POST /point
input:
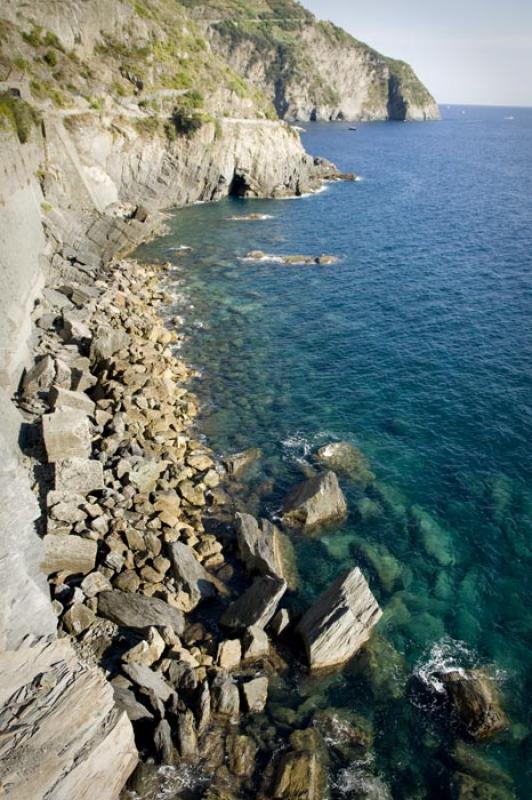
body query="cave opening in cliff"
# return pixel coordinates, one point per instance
(239, 186)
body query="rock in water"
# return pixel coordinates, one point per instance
(62, 735)
(315, 502)
(257, 605)
(340, 621)
(256, 693)
(139, 612)
(239, 463)
(301, 774)
(346, 459)
(262, 547)
(474, 696)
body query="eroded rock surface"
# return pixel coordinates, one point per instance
(340, 621)
(62, 736)
(317, 501)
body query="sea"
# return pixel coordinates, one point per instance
(416, 348)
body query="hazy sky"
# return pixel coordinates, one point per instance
(466, 51)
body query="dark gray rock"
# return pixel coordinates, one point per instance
(257, 605)
(139, 612)
(475, 698)
(164, 746)
(262, 547)
(126, 701)
(190, 575)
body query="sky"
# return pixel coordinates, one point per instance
(465, 51)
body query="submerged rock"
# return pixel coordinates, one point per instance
(346, 459)
(340, 621)
(257, 605)
(476, 700)
(301, 773)
(237, 464)
(315, 502)
(241, 755)
(436, 540)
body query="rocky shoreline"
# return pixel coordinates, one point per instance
(131, 497)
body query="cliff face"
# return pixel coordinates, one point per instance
(311, 70)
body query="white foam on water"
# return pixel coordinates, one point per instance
(357, 779)
(447, 655)
(181, 248)
(263, 259)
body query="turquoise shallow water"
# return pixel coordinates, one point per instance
(417, 348)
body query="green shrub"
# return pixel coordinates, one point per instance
(185, 122)
(51, 58)
(51, 40)
(33, 37)
(19, 115)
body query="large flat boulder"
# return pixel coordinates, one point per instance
(68, 553)
(67, 434)
(191, 577)
(62, 735)
(65, 398)
(263, 548)
(340, 621)
(139, 612)
(257, 605)
(317, 501)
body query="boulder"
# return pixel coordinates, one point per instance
(149, 681)
(106, 342)
(475, 698)
(301, 774)
(262, 547)
(126, 701)
(239, 463)
(71, 554)
(94, 583)
(255, 694)
(203, 708)
(78, 619)
(346, 459)
(186, 735)
(65, 398)
(67, 434)
(145, 473)
(190, 576)
(340, 621)
(241, 755)
(229, 654)
(316, 501)
(80, 475)
(40, 377)
(257, 605)
(164, 746)
(147, 651)
(225, 696)
(256, 643)
(138, 612)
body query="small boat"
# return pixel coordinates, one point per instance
(353, 129)
(509, 118)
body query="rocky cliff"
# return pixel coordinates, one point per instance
(311, 70)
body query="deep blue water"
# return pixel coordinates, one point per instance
(417, 348)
